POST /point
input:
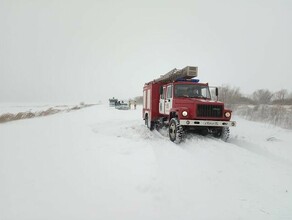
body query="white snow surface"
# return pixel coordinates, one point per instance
(103, 163)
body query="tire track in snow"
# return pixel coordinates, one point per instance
(258, 150)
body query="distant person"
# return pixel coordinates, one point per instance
(135, 104)
(129, 104)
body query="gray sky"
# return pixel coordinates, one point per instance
(90, 50)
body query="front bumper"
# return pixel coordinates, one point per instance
(207, 123)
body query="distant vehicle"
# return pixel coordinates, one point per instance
(184, 105)
(112, 102)
(121, 105)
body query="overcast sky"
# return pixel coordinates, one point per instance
(90, 50)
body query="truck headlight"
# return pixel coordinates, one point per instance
(184, 113)
(227, 114)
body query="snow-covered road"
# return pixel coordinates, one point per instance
(103, 163)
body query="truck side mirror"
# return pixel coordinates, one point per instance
(161, 90)
(216, 91)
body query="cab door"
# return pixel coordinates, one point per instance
(162, 100)
(168, 99)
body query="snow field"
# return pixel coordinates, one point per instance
(103, 163)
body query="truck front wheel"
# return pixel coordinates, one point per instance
(176, 133)
(222, 133)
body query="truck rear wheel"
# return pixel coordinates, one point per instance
(176, 133)
(149, 123)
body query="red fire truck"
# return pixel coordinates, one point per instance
(181, 102)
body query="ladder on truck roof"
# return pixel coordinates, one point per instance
(188, 72)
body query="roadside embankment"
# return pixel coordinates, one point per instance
(7, 117)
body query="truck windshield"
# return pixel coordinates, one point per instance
(191, 91)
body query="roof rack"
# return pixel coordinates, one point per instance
(188, 72)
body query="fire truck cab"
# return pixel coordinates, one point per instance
(182, 103)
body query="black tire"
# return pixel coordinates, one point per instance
(175, 130)
(149, 124)
(223, 133)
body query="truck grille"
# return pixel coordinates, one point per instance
(210, 111)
